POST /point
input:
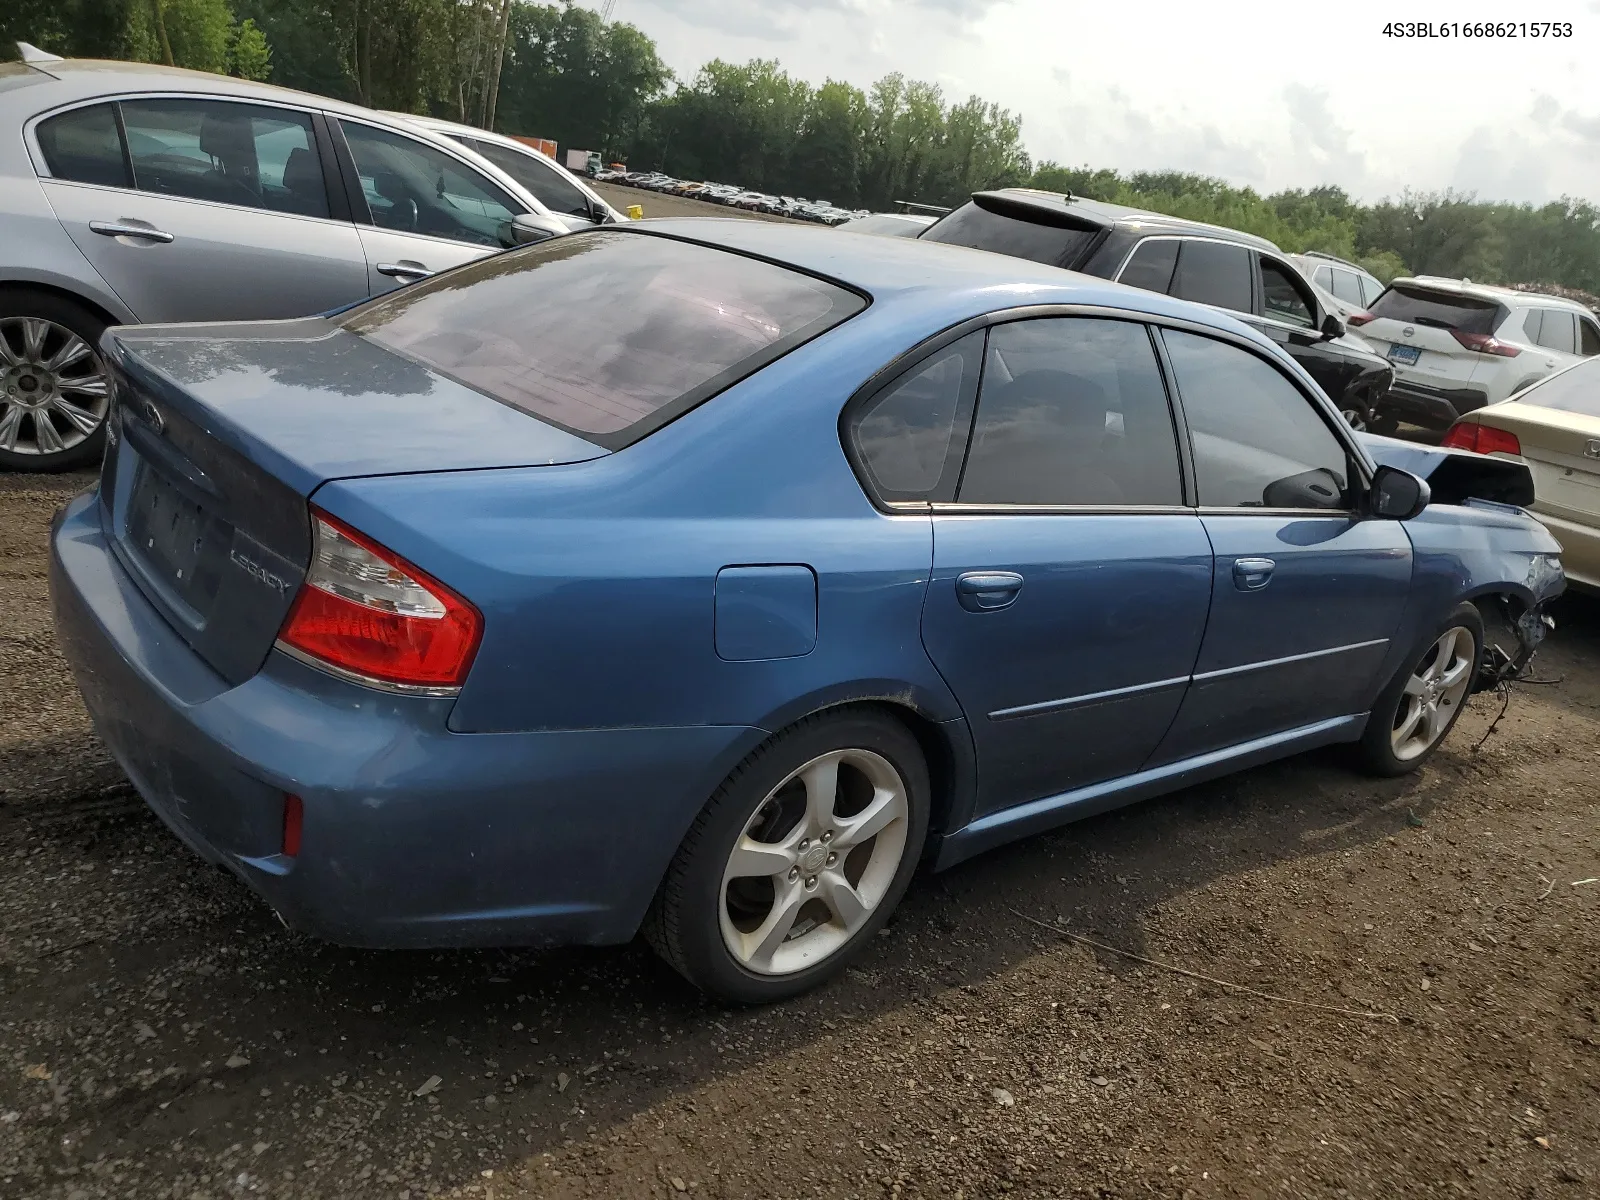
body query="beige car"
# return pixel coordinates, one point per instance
(1553, 427)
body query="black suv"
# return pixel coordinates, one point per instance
(1247, 276)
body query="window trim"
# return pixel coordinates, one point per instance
(35, 151)
(891, 371)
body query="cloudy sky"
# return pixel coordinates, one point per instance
(1272, 95)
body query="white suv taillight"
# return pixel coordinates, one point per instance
(369, 614)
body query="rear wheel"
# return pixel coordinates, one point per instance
(1422, 704)
(798, 859)
(54, 395)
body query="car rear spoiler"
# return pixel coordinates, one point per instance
(1455, 476)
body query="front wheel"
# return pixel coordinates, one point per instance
(1423, 702)
(797, 860)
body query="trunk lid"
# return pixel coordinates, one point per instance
(1415, 317)
(1562, 449)
(220, 434)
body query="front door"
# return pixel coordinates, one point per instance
(225, 215)
(1306, 592)
(1070, 583)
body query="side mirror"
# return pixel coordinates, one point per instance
(527, 228)
(1332, 327)
(1397, 495)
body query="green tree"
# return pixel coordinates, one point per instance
(249, 56)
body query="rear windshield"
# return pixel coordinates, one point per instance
(1443, 310)
(1052, 244)
(607, 334)
(1575, 391)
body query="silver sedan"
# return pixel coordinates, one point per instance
(134, 193)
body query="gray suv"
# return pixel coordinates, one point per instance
(132, 193)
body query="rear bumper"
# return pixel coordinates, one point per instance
(413, 836)
(1431, 408)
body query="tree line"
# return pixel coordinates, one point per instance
(562, 71)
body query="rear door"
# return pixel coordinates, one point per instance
(211, 209)
(421, 210)
(1070, 581)
(1416, 328)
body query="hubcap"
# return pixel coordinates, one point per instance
(53, 391)
(814, 862)
(1433, 694)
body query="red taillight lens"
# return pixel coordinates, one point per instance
(1482, 439)
(294, 812)
(1485, 343)
(368, 612)
(1358, 318)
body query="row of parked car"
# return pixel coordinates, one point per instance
(796, 207)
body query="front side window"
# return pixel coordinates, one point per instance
(1151, 265)
(1258, 442)
(84, 146)
(544, 180)
(1072, 411)
(1589, 333)
(1213, 273)
(1281, 297)
(1371, 289)
(246, 154)
(910, 436)
(411, 187)
(607, 334)
(1347, 286)
(1324, 278)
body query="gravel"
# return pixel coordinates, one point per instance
(161, 1035)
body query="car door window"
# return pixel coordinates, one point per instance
(543, 179)
(1590, 334)
(1556, 331)
(1258, 442)
(1371, 289)
(1072, 411)
(84, 146)
(411, 187)
(1213, 273)
(1282, 297)
(251, 155)
(1347, 286)
(1151, 265)
(906, 436)
(1323, 278)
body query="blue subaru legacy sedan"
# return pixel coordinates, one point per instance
(704, 577)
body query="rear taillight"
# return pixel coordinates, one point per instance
(370, 614)
(1485, 343)
(1358, 318)
(1481, 439)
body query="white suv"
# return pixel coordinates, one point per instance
(1458, 345)
(1347, 287)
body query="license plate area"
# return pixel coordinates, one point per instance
(1405, 355)
(169, 531)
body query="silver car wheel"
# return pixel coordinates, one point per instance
(1434, 693)
(814, 861)
(53, 389)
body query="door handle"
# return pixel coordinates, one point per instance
(405, 269)
(131, 229)
(1252, 574)
(985, 591)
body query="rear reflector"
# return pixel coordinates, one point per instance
(293, 815)
(1485, 343)
(369, 614)
(1481, 439)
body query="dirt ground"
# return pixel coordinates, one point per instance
(161, 1035)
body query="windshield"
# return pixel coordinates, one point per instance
(543, 329)
(1443, 310)
(1575, 391)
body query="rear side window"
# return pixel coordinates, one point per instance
(1556, 331)
(1072, 411)
(1151, 265)
(1347, 287)
(975, 226)
(1371, 289)
(84, 146)
(1443, 310)
(1324, 278)
(1258, 442)
(1213, 273)
(1576, 390)
(909, 437)
(546, 330)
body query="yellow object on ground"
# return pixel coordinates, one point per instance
(635, 212)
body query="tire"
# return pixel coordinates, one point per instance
(1426, 696)
(727, 925)
(54, 397)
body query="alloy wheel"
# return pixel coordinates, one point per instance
(1434, 693)
(53, 388)
(814, 861)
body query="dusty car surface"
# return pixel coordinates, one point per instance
(717, 615)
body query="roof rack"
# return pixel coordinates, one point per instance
(1345, 262)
